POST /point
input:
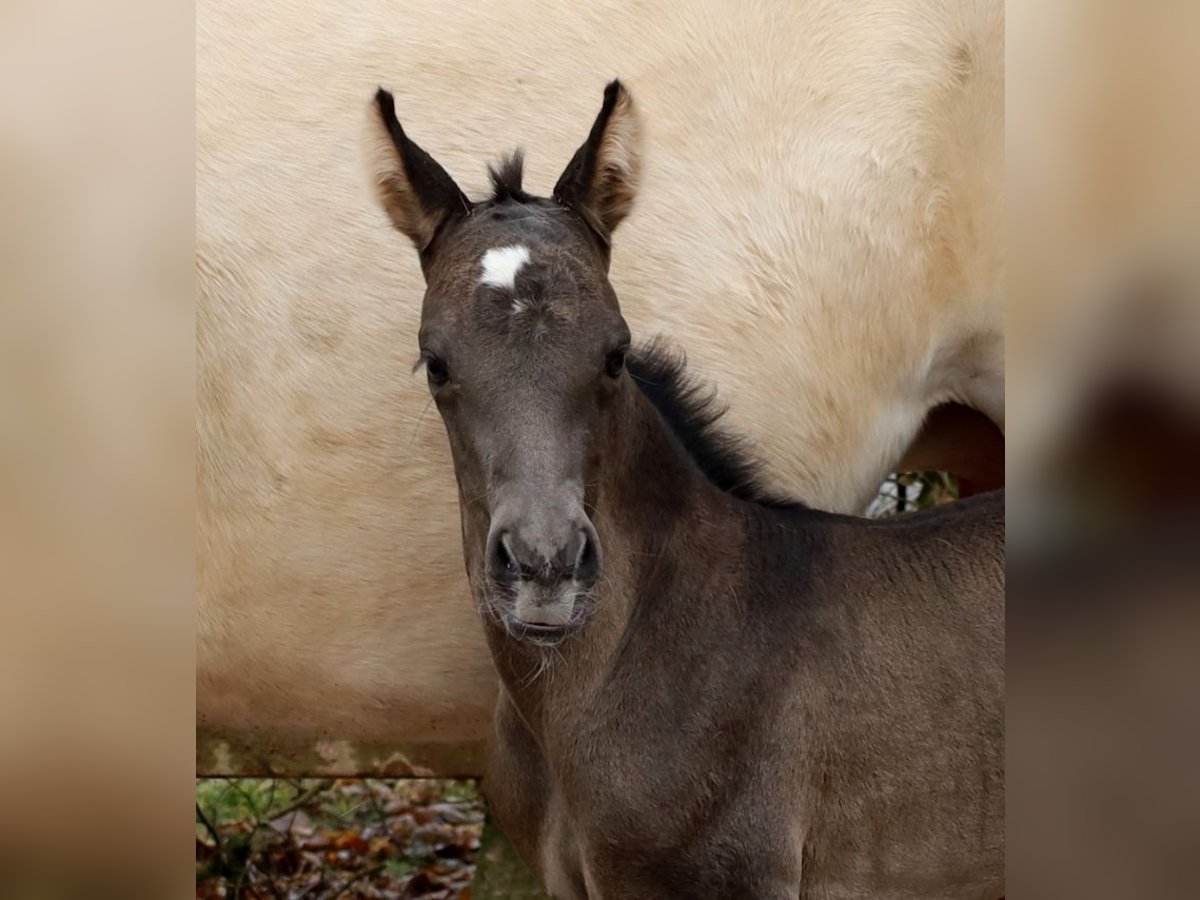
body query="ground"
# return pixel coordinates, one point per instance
(345, 838)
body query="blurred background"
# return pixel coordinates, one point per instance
(1103, 318)
(97, 719)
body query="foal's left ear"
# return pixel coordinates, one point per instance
(415, 191)
(601, 179)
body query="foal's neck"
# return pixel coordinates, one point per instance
(665, 529)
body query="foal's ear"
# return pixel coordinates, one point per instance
(601, 179)
(414, 190)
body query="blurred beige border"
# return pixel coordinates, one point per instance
(1103, 378)
(96, 470)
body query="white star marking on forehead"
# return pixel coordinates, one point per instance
(501, 265)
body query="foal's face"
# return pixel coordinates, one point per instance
(523, 346)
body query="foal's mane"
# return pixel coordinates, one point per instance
(692, 411)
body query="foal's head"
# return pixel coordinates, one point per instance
(524, 347)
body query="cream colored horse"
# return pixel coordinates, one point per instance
(819, 228)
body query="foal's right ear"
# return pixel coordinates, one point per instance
(414, 190)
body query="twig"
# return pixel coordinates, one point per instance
(304, 799)
(271, 796)
(357, 806)
(237, 887)
(237, 786)
(312, 887)
(224, 793)
(267, 882)
(376, 806)
(357, 878)
(216, 836)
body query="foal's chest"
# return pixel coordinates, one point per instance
(660, 830)
(652, 799)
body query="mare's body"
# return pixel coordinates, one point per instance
(822, 229)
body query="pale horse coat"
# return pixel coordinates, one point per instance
(819, 228)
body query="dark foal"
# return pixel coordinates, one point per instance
(706, 691)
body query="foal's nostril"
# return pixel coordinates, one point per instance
(503, 566)
(511, 558)
(587, 559)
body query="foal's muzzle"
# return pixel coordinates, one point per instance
(544, 565)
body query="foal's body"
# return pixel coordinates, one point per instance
(706, 692)
(769, 703)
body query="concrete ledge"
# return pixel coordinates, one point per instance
(250, 752)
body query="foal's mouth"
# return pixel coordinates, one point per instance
(548, 635)
(526, 615)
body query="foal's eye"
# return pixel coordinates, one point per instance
(614, 363)
(437, 371)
